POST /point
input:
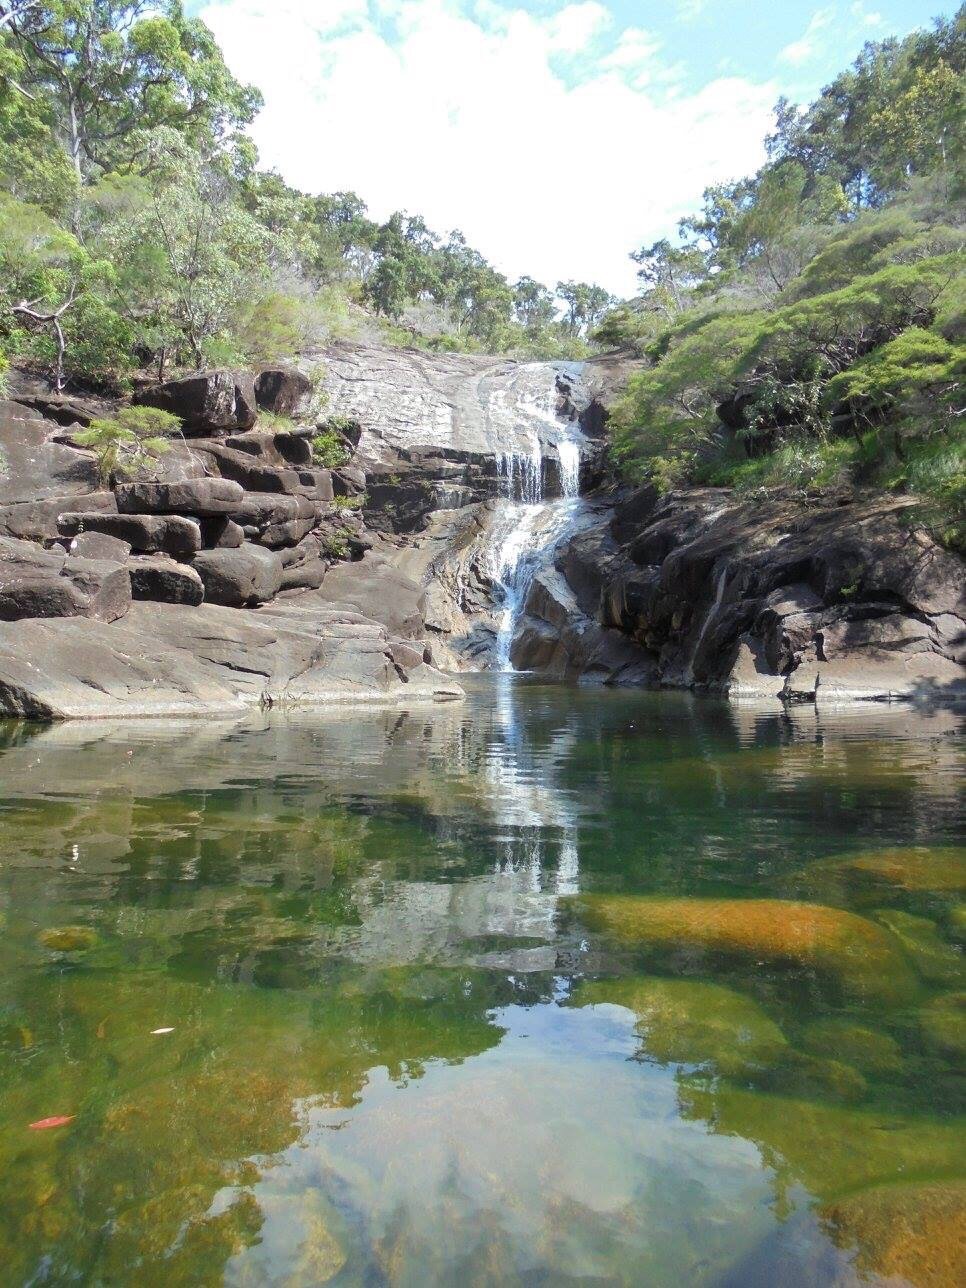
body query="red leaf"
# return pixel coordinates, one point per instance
(60, 1120)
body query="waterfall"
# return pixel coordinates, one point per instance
(528, 526)
(710, 616)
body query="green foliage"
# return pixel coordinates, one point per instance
(817, 308)
(108, 72)
(328, 449)
(354, 502)
(335, 545)
(129, 441)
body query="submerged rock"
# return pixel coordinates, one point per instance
(943, 1024)
(914, 1232)
(832, 1150)
(871, 1052)
(68, 939)
(933, 958)
(933, 868)
(684, 1021)
(856, 954)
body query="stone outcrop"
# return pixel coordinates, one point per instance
(168, 567)
(51, 583)
(768, 599)
(170, 660)
(282, 390)
(208, 402)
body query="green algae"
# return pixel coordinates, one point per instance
(692, 1022)
(868, 1050)
(934, 959)
(942, 1022)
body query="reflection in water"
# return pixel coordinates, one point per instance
(552, 986)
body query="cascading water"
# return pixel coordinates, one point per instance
(529, 526)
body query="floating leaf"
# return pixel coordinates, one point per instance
(59, 1120)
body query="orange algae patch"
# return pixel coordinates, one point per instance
(864, 958)
(912, 1232)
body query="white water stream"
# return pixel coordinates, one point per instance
(528, 526)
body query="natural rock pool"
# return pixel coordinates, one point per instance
(547, 987)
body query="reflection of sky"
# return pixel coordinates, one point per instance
(511, 1148)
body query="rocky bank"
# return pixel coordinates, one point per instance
(469, 525)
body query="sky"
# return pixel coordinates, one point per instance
(558, 137)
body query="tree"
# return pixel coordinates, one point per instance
(533, 305)
(670, 275)
(54, 298)
(191, 259)
(586, 305)
(112, 70)
(129, 441)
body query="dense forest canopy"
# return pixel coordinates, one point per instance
(137, 230)
(806, 328)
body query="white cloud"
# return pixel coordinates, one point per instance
(809, 44)
(574, 27)
(470, 122)
(868, 17)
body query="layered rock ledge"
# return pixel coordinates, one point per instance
(191, 588)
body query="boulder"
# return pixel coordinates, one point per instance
(239, 578)
(850, 952)
(37, 520)
(34, 464)
(145, 533)
(209, 402)
(307, 575)
(204, 497)
(98, 545)
(165, 581)
(260, 509)
(289, 533)
(221, 533)
(376, 587)
(282, 390)
(48, 583)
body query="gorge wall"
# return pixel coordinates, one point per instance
(470, 526)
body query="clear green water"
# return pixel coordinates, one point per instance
(426, 1030)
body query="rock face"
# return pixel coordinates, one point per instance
(168, 659)
(49, 583)
(766, 600)
(207, 402)
(184, 553)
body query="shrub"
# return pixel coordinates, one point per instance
(129, 441)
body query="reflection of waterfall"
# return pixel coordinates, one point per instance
(528, 526)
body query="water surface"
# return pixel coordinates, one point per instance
(548, 987)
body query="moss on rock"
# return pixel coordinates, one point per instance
(915, 1233)
(864, 959)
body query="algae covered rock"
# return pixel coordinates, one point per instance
(942, 1022)
(861, 958)
(938, 868)
(831, 1149)
(915, 1233)
(933, 958)
(865, 1049)
(683, 1021)
(68, 939)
